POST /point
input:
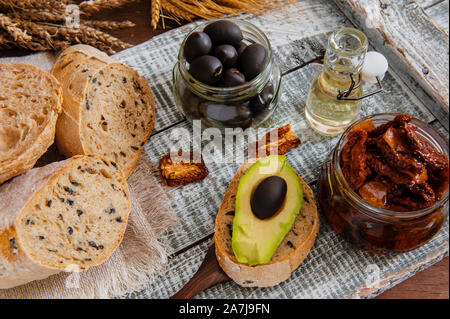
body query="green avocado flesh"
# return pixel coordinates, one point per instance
(254, 240)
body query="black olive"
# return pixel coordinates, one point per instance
(231, 77)
(241, 47)
(196, 45)
(268, 197)
(224, 32)
(190, 103)
(243, 112)
(227, 54)
(232, 116)
(260, 103)
(252, 60)
(207, 69)
(219, 112)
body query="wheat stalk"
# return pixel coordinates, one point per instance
(26, 22)
(38, 25)
(40, 44)
(36, 44)
(34, 4)
(93, 6)
(5, 41)
(210, 9)
(91, 36)
(55, 36)
(176, 12)
(108, 25)
(155, 9)
(234, 4)
(39, 15)
(10, 26)
(196, 8)
(219, 8)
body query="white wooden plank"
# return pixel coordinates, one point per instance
(197, 204)
(299, 36)
(439, 14)
(425, 4)
(333, 269)
(156, 58)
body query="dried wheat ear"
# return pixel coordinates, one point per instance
(40, 25)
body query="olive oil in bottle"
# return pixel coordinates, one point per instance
(343, 62)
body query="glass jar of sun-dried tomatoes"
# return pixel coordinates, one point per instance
(377, 229)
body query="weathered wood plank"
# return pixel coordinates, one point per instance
(439, 14)
(425, 4)
(156, 58)
(438, 126)
(414, 46)
(324, 274)
(333, 269)
(197, 204)
(298, 35)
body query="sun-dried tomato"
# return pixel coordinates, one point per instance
(437, 164)
(399, 120)
(394, 150)
(393, 167)
(353, 159)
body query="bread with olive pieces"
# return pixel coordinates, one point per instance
(30, 101)
(108, 108)
(288, 256)
(69, 215)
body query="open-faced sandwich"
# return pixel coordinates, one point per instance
(267, 223)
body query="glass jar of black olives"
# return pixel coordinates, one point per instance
(232, 101)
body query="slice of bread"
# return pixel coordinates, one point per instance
(108, 107)
(289, 255)
(68, 215)
(30, 101)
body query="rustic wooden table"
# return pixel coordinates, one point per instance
(430, 283)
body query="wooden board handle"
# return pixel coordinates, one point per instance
(208, 275)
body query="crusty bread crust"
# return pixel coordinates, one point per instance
(15, 164)
(289, 255)
(17, 267)
(77, 68)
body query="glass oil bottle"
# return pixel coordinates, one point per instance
(326, 109)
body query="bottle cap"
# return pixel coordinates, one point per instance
(375, 64)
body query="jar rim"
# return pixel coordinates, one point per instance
(224, 90)
(422, 127)
(362, 37)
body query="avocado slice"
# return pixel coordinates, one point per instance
(254, 240)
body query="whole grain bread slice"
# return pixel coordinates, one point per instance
(30, 101)
(69, 215)
(108, 107)
(289, 255)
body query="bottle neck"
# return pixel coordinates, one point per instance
(345, 53)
